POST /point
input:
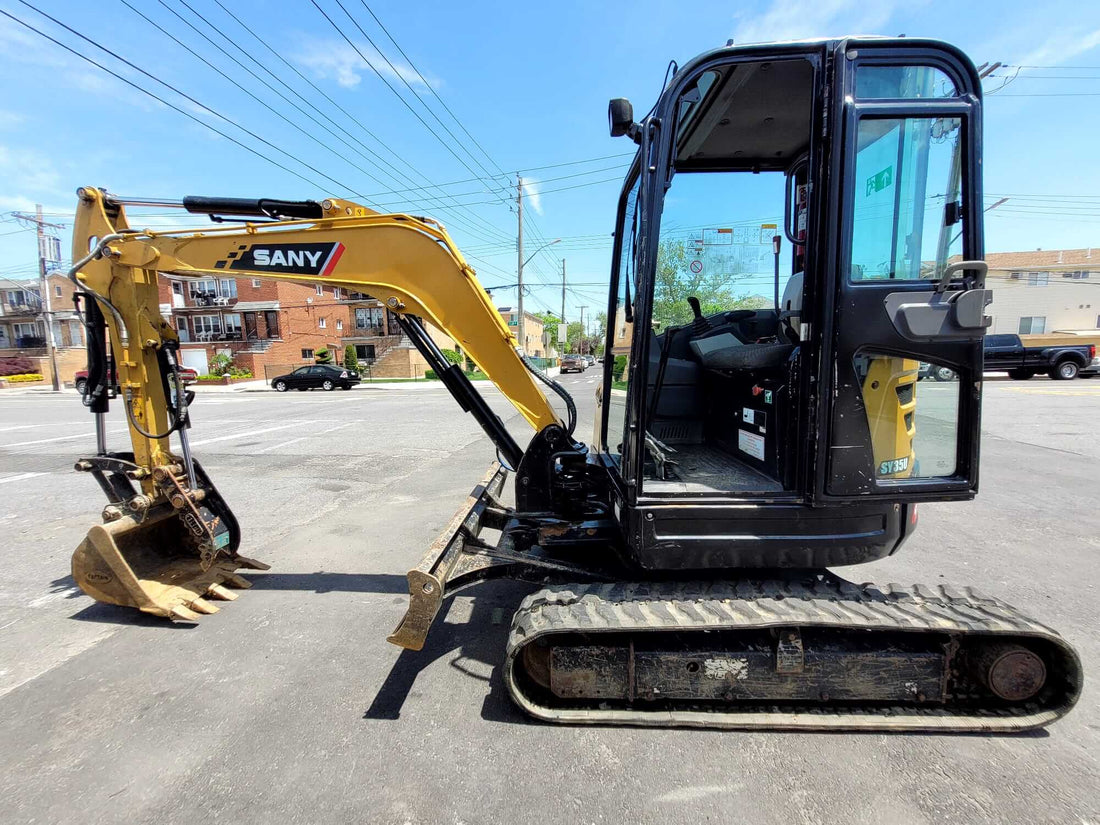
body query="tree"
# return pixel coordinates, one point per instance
(550, 323)
(675, 283)
(351, 359)
(574, 336)
(322, 356)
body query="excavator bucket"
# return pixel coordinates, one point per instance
(147, 564)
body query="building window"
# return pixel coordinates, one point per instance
(322, 323)
(369, 318)
(336, 292)
(1033, 324)
(232, 321)
(177, 288)
(204, 288)
(207, 326)
(1077, 276)
(320, 289)
(307, 354)
(57, 291)
(1038, 278)
(256, 282)
(25, 330)
(339, 324)
(227, 288)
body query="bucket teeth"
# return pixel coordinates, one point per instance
(201, 605)
(236, 582)
(181, 613)
(221, 593)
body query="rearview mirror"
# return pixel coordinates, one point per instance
(620, 119)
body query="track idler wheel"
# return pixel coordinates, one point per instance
(1010, 671)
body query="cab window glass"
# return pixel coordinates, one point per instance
(622, 331)
(906, 199)
(912, 412)
(902, 83)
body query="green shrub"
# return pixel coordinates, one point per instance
(210, 377)
(322, 356)
(220, 364)
(351, 360)
(24, 378)
(430, 375)
(618, 368)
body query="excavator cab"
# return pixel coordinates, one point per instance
(800, 229)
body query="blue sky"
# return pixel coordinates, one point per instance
(529, 81)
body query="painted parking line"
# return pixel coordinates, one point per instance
(279, 445)
(20, 477)
(246, 433)
(89, 435)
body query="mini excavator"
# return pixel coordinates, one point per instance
(744, 446)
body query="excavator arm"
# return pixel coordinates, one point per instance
(142, 556)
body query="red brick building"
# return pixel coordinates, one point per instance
(264, 326)
(270, 327)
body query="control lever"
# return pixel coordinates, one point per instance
(700, 324)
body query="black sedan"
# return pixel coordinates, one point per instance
(324, 376)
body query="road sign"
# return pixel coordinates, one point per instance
(696, 267)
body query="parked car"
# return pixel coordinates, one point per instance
(323, 376)
(1062, 363)
(573, 363)
(80, 378)
(590, 360)
(1021, 362)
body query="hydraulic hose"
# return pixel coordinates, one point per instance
(570, 405)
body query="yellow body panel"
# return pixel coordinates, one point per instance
(890, 398)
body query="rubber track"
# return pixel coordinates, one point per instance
(748, 605)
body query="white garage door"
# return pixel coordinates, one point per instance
(196, 360)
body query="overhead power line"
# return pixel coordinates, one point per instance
(172, 106)
(390, 86)
(431, 88)
(466, 220)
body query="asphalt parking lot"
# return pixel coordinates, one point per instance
(289, 705)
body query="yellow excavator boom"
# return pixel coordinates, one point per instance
(409, 263)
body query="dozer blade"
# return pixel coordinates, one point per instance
(448, 565)
(148, 565)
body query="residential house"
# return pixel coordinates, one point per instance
(533, 343)
(23, 324)
(265, 326)
(1044, 291)
(380, 345)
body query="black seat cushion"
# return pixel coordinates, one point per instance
(748, 357)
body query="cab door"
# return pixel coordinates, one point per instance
(908, 283)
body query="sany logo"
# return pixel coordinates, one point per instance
(291, 258)
(276, 257)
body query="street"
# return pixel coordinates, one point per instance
(289, 705)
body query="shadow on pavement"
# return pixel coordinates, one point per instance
(481, 638)
(322, 582)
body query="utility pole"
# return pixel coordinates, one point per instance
(584, 330)
(43, 286)
(519, 263)
(563, 290)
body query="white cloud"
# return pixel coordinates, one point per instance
(27, 170)
(10, 119)
(1061, 47)
(531, 192)
(336, 60)
(804, 19)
